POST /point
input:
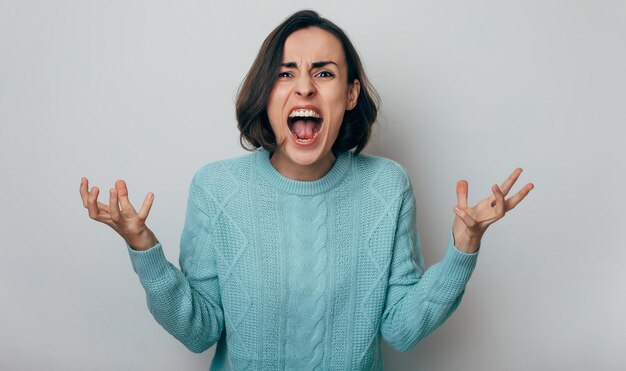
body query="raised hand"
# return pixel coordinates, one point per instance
(470, 223)
(126, 221)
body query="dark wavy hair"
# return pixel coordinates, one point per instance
(253, 95)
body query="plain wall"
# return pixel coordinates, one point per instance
(144, 91)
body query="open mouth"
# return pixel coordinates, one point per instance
(305, 124)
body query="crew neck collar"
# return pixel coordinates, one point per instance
(300, 187)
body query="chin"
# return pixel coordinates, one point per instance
(305, 157)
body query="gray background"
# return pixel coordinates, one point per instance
(145, 90)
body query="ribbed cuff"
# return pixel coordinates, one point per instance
(149, 264)
(457, 264)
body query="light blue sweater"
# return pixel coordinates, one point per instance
(293, 275)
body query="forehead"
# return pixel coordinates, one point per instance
(313, 44)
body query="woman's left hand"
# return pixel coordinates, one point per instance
(471, 223)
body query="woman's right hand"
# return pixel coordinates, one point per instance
(127, 222)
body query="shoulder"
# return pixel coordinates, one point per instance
(381, 172)
(222, 178)
(231, 167)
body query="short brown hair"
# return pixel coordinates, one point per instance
(253, 96)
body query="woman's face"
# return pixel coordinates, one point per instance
(308, 102)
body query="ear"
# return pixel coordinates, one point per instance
(353, 94)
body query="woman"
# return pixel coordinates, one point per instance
(303, 254)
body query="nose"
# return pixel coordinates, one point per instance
(304, 86)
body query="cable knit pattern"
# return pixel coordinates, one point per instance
(306, 304)
(291, 275)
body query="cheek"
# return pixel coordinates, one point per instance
(276, 102)
(337, 106)
(277, 128)
(272, 107)
(274, 112)
(337, 98)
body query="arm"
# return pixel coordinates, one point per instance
(186, 303)
(418, 302)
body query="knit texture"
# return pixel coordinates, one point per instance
(295, 275)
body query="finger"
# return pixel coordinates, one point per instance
(145, 207)
(92, 207)
(508, 183)
(114, 207)
(497, 193)
(465, 217)
(499, 205)
(461, 193)
(122, 194)
(84, 193)
(519, 196)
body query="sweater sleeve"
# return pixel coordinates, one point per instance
(419, 301)
(185, 302)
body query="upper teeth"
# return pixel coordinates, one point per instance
(305, 113)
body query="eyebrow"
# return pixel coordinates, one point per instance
(313, 65)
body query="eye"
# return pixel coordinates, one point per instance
(284, 74)
(325, 74)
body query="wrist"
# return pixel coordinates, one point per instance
(468, 245)
(143, 241)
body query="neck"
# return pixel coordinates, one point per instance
(292, 170)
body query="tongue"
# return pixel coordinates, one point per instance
(304, 129)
